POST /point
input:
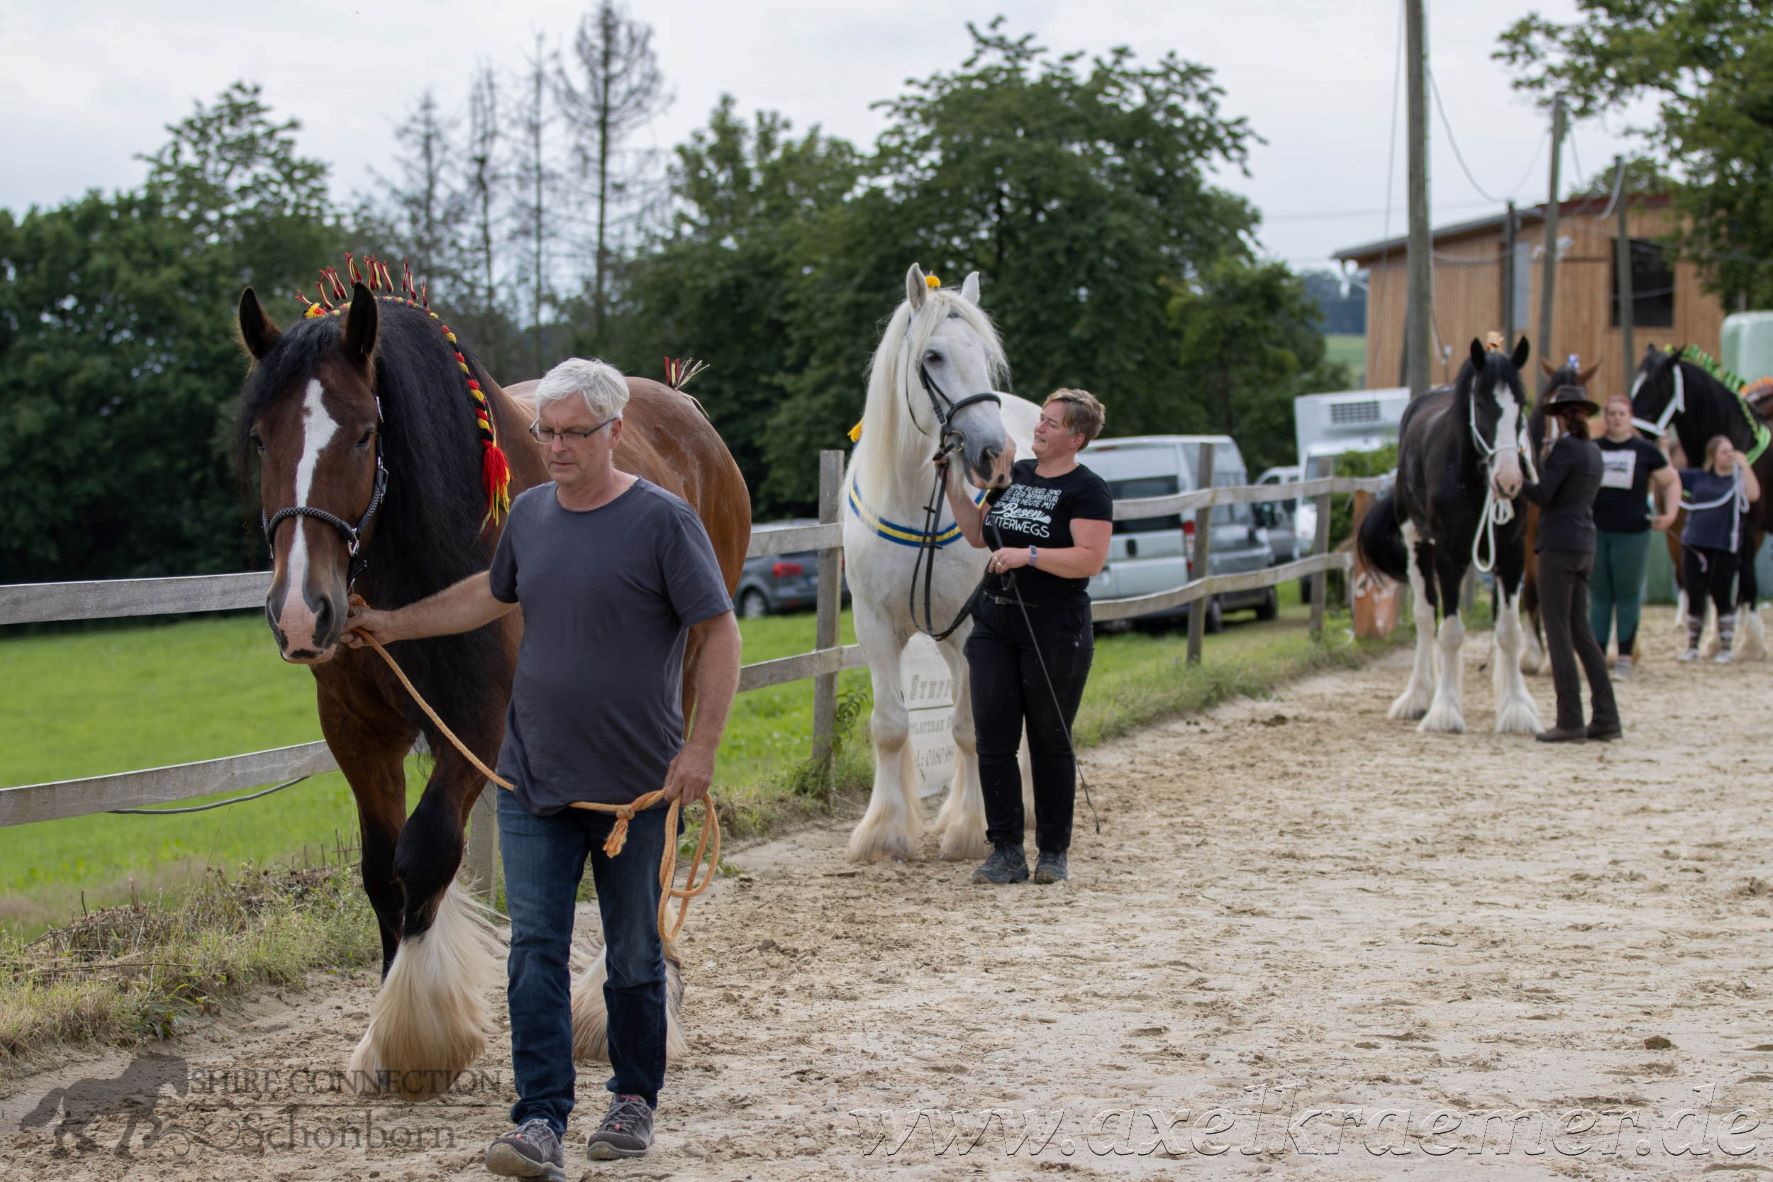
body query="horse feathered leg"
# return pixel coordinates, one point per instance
(1446, 714)
(430, 1020)
(1516, 712)
(961, 821)
(1413, 702)
(892, 823)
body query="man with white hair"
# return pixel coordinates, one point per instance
(612, 572)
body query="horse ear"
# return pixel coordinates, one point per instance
(1546, 366)
(969, 288)
(257, 332)
(1521, 352)
(915, 291)
(1477, 354)
(360, 327)
(1584, 377)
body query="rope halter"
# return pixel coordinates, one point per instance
(1676, 404)
(1498, 510)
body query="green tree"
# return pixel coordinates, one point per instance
(725, 282)
(1709, 68)
(116, 332)
(1248, 341)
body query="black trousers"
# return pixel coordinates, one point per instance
(1709, 573)
(1009, 693)
(1569, 638)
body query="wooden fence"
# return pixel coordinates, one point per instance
(47, 602)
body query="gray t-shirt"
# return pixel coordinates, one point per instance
(608, 598)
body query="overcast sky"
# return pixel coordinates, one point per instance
(88, 84)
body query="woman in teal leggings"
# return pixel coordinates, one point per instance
(1631, 468)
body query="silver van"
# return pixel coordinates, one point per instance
(1152, 554)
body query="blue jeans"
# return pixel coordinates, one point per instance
(544, 860)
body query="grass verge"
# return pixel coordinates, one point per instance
(125, 974)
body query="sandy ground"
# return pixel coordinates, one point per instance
(1307, 942)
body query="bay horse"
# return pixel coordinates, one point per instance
(385, 455)
(1457, 503)
(1672, 391)
(933, 381)
(1571, 373)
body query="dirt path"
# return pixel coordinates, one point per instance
(1308, 942)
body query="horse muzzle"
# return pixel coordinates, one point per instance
(990, 465)
(307, 628)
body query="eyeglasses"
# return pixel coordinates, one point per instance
(547, 435)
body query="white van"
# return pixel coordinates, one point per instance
(1152, 554)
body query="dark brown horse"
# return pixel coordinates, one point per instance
(377, 442)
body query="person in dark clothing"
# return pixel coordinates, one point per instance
(1048, 534)
(1632, 468)
(1716, 497)
(1570, 475)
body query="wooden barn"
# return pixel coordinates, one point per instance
(1477, 291)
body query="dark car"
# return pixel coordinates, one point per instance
(779, 582)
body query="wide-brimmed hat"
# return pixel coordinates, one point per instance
(1565, 397)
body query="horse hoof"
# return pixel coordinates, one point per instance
(960, 847)
(1441, 722)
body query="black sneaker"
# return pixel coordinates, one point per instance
(1050, 867)
(1006, 864)
(626, 1131)
(1605, 732)
(531, 1150)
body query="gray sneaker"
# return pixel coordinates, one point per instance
(1622, 669)
(531, 1150)
(1006, 864)
(626, 1131)
(1050, 867)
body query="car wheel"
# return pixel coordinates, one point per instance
(1215, 618)
(1270, 605)
(753, 605)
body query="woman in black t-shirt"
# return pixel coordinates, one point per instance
(1048, 534)
(1631, 468)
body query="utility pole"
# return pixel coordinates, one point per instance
(1549, 270)
(1420, 259)
(1626, 307)
(1510, 228)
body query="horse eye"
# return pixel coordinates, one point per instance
(258, 442)
(932, 358)
(364, 442)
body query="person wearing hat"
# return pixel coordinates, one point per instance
(1570, 472)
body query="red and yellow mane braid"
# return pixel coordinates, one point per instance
(495, 470)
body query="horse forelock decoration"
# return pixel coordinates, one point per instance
(934, 378)
(384, 458)
(1457, 503)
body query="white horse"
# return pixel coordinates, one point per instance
(945, 337)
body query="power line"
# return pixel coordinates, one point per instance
(1446, 125)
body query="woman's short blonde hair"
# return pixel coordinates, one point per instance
(1711, 448)
(1083, 413)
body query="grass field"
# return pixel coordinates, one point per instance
(1351, 351)
(99, 701)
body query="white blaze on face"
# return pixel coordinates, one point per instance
(294, 617)
(1506, 470)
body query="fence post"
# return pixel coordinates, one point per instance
(483, 843)
(1320, 579)
(830, 604)
(1203, 541)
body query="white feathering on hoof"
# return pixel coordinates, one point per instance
(429, 1021)
(591, 1016)
(1751, 635)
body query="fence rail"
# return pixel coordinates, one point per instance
(49, 602)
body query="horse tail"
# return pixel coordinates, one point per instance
(1381, 540)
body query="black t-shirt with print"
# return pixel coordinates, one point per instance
(1038, 511)
(1622, 505)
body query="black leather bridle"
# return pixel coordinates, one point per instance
(353, 534)
(950, 441)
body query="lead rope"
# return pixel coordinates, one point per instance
(704, 860)
(1497, 510)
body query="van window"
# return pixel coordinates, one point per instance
(1239, 514)
(1145, 486)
